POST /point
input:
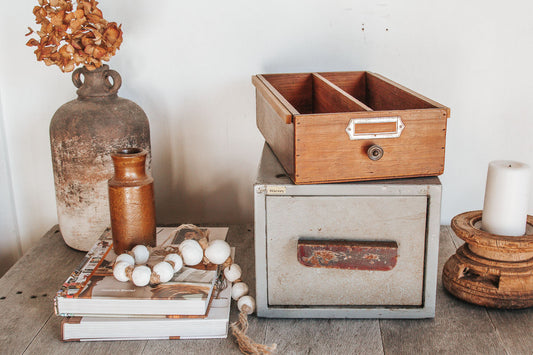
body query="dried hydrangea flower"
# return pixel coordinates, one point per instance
(69, 37)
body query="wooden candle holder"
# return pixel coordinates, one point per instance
(490, 270)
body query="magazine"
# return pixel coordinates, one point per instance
(92, 290)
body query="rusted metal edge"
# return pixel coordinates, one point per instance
(348, 255)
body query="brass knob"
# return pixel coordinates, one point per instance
(375, 152)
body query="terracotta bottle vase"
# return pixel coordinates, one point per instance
(83, 134)
(131, 201)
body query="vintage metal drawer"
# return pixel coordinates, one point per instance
(366, 249)
(349, 126)
(374, 219)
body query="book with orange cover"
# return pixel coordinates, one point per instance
(91, 290)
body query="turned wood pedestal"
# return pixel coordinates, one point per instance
(490, 270)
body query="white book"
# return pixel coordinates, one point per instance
(215, 325)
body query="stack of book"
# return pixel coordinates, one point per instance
(98, 307)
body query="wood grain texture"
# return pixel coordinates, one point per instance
(353, 83)
(29, 287)
(297, 89)
(48, 342)
(513, 326)
(324, 152)
(324, 104)
(278, 134)
(325, 336)
(491, 270)
(385, 92)
(280, 105)
(328, 97)
(458, 328)
(514, 329)
(467, 226)
(485, 282)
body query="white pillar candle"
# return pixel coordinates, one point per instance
(506, 198)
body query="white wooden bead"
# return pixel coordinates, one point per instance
(189, 242)
(192, 255)
(141, 275)
(176, 259)
(232, 272)
(125, 257)
(164, 270)
(141, 254)
(246, 301)
(218, 251)
(119, 271)
(238, 290)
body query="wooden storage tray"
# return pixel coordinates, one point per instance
(321, 126)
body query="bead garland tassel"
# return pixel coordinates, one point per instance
(132, 267)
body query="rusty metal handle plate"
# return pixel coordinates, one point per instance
(375, 128)
(349, 255)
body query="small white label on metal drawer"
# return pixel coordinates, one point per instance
(276, 190)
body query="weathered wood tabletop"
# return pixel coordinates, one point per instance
(28, 324)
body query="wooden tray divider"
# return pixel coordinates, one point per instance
(329, 98)
(282, 107)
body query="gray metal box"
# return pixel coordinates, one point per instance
(402, 215)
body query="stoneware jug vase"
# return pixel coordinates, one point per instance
(83, 134)
(131, 201)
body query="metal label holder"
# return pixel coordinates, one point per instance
(377, 135)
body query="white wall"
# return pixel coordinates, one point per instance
(188, 64)
(10, 249)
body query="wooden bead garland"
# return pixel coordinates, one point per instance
(232, 273)
(140, 254)
(125, 257)
(130, 266)
(238, 290)
(190, 252)
(141, 275)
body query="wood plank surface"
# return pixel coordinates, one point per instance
(28, 325)
(325, 336)
(458, 327)
(48, 342)
(514, 327)
(29, 288)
